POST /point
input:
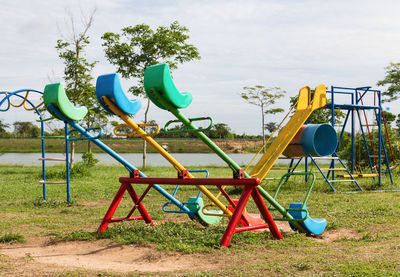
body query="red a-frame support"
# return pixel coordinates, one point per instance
(249, 189)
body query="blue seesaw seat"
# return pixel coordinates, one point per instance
(158, 78)
(109, 85)
(313, 226)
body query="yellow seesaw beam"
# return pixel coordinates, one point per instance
(140, 132)
(303, 110)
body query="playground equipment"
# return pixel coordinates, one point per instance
(358, 103)
(162, 91)
(60, 107)
(365, 100)
(112, 98)
(28, 105)
(249, 189)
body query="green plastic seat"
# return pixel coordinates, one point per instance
(55, 94)
(158, 78)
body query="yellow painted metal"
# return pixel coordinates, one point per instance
(362, 175)
(133, 133)
(304, 109)
(164, 153)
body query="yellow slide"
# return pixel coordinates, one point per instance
(303, 110)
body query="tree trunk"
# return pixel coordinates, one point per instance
(72, 157)
(89, 146)
(144, 128)
(263, 126)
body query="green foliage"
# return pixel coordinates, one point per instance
(271, 126)
(392, 78)
(89, 159)
(77, 74)
(389, 117)
(361, 157)
(26, 129)
(11, 238)
(264, 98)
(138, 47)
(80, 169)
(3, 128)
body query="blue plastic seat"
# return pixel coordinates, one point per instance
(314, 226)
(109, 85)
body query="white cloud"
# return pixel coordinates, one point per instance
(276, 43)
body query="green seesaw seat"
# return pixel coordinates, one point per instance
(55, 94)
(158, 78)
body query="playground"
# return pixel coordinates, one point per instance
(233, 220)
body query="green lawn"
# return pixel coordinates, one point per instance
(372, 216)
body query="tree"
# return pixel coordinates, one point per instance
(398, 124)
(139, 47)
(3, 128)
(219, 130)
(26, 129)
(77, 73)
(264, 98)
(392, 79)
(271, 126)
(389, 117)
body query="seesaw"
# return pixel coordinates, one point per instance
(163, 93)
(113, 99)
(58, 104)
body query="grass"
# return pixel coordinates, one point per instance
(373, 216)
(11, 238)
(33, 145)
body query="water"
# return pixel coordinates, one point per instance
(153, 159)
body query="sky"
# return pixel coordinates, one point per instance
(288, 44)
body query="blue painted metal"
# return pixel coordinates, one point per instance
(117, 157)
(365, 143)
(7, 97)
(67, 161)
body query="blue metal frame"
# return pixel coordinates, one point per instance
(356, 106)
(41, 120)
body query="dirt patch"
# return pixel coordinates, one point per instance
(240, 146)
(332, 235)
(106, 256)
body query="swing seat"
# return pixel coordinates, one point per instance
(55, 94)
(157, 78)
(109, 85)
(313, 226)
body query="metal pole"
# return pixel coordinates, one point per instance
(67, 161)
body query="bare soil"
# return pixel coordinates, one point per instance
(39, 257)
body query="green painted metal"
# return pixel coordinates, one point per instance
(153, 92)
(55, 94)
(185, 128)
(283, 181)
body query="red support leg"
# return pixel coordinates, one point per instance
(140, 206)
(112, 208)
(265, 213)
(233, 222)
